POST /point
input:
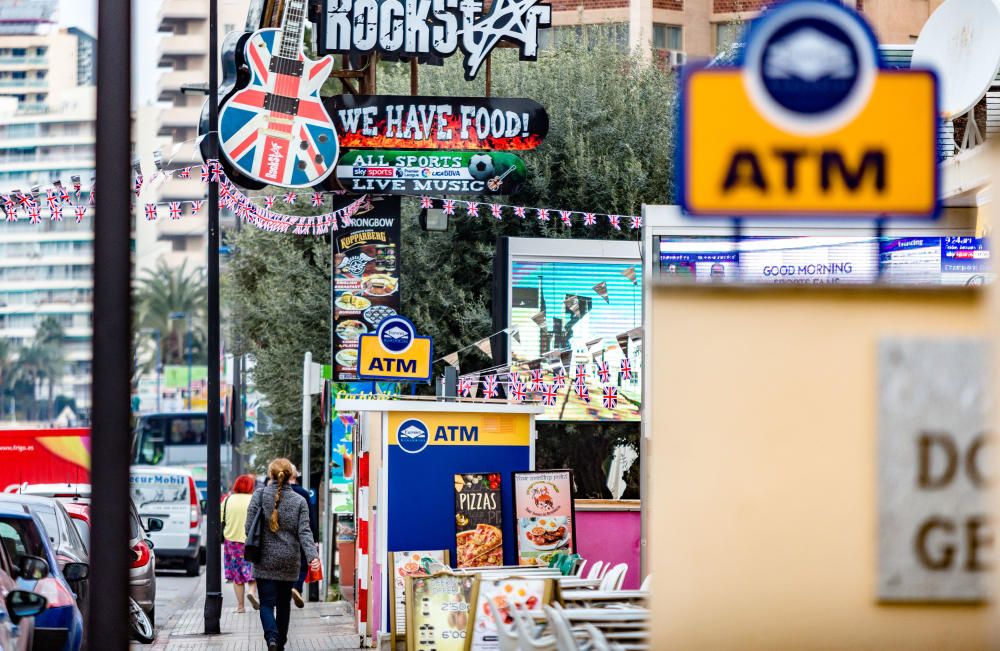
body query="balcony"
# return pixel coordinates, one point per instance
(177, 189)
(19, 85)
(182, 10)
(184, 45)
(23, 63)
(171, 81)
(179, 117)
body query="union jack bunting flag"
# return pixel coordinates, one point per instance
(151, 212)
(175, 210)
(519, 211)
(269, 201)
(490, 386)
(50, 198)
(56, 213)
(317, 199)
(581, 374)
(138, 184)
(610, 397)
(216, 167)
(225, 202)
(496, 209)
(289, 198)
(196, 205)
(23, 199)
(81, 212)
(518, 392)
(559, 379)
(185, 173)
(583, 393)
(536, 379)
(449, 207)
(63, 195)
(465, 387)
(204, 173)
(543, 214)
(565, 215)
(589, 219)
(626, 369)
(549, 394)
(472, 208)
(603, 372)
(426, 202)
(34, 214)
(93, 196)
(512, 379)
(615, 221)
(636, 221)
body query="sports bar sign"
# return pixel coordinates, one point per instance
(809, 123)
(432, 28)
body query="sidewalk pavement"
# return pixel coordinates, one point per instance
(318, 626)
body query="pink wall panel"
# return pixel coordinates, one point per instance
(610, 536)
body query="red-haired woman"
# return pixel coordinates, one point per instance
(234, 517)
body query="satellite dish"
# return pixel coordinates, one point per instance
(961, 43)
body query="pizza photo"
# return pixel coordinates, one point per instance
(480, 547)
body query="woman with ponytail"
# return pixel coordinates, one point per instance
(284, 536)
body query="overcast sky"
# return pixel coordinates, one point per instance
(83, 14)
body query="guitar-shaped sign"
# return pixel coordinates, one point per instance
(275, 130)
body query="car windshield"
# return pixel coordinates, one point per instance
(19, 537)
(49, 521)
(84, 530)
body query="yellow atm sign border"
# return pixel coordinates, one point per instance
(740, 157)
(413, 364)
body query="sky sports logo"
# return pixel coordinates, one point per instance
(375, 172)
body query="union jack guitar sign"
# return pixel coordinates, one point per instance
(275, 130)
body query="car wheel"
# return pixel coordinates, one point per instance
(191, 566)
(140, 624)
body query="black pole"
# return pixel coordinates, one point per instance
(213, 561)
(112, 359)
(239, 413)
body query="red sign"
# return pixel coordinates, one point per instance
(44, 456)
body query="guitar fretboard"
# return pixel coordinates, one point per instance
(292, 27)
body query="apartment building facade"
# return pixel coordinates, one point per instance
(47, 133)
(183, 62)
(681, 30)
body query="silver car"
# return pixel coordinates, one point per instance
(142, 568)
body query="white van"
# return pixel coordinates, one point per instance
(170, 494)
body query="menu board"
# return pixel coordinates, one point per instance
(410, 564)
(440, 608)
(506, 594)
(543, 506)
(365, 280)
(478, 520)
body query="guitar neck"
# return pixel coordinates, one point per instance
(292, 29)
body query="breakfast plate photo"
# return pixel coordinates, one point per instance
(545, 534)
(348, 301)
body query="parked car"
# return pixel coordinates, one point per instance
(18, 607)
(170, 495)
(60, 626)
(63, 536)
(142, 572)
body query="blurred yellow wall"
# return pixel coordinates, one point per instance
(763, 504)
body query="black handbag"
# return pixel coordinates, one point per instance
(251, 549)
(222, 524)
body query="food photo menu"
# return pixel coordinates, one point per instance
(366, 279)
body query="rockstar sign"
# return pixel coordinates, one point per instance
(433, 27)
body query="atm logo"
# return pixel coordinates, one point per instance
(412, 436)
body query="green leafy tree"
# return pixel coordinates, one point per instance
(161, 295)
(49, 337)
(609, 150)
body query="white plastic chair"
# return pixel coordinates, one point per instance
(561, 627)
(524, 625)
(579, 568)
(595, 570)
(614, 578)
(507, 637)
(647, 583)
(597, 640)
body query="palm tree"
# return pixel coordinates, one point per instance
(49, 337)
(164, 292)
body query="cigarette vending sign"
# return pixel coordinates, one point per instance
(450, 123)
(799, 127)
